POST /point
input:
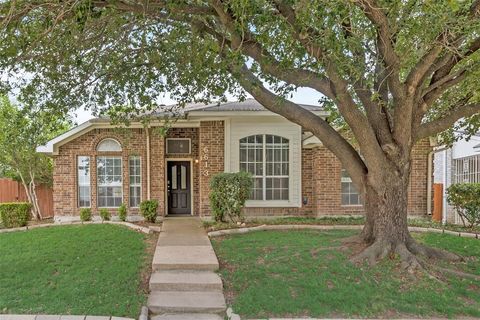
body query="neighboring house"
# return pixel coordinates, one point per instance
(97, 165)
(458, 164)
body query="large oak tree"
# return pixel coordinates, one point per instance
(394, 71)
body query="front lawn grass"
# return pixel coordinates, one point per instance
(307, 273)
(81, 269)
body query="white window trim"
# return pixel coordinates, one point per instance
(134, 185)
(109, 139)
(189, 146)
(342, 193)
(264, 176)
(241, 127)
(98, 185)
(82, 185)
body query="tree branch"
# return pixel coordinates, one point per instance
(315, 124)
(436, 126)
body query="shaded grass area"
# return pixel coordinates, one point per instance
(338, 220)
(307, 273)
(81, 269)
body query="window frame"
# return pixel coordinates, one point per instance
(104, 186)
(264, 162)
(79, 184)
(139, 184)
(99, 144)
(351, 187)
(167, 140)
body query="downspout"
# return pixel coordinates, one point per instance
(147, 130)
(429, 182)
(444, 205)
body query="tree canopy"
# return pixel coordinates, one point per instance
(22, 130)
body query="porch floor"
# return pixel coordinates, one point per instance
(183, 281)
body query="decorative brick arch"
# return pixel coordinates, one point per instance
(99, 137)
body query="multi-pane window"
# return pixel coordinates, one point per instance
(109, 181)
(350, 195)
(135, 181)
(83, 178)
(266, 157)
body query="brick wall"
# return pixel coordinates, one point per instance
(65, 197)
(326, 174)
(157, 169)
(212, 149)
(321, 186)
(321, 171)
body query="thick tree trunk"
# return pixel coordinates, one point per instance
(386, 228)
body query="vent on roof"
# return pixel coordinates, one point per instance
(178, 146)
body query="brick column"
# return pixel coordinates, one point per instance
(212, 144)
(157, 170)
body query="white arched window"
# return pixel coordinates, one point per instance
(109, 144)
(266, 157)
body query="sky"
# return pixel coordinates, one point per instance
(302, 95)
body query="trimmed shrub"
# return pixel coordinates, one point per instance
(85, 214)
(228, 193)
(148, 209)
(465, 198)
(122, 212)
(104, 214)
(15, 214)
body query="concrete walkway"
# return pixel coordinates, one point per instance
(183, 284)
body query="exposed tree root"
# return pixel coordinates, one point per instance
(429, 252)
(377, 251)
(356, 239)
(409, 260)
(409, 252)
(459, 273)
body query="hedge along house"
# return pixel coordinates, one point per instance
(99, 166)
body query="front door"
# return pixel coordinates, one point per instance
(178, 187)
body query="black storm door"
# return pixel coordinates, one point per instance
(178, 187)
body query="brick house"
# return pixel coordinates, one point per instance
(98, 165)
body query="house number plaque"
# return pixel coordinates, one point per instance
(205, 161)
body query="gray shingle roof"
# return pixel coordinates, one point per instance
(246, 105)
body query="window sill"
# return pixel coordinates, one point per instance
(352, 205)
(271, 204)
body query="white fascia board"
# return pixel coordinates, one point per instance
(208, 114)
(50, 146)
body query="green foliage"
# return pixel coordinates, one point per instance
(22, 130)
(122, 212)
(85, 214)
(228, 193)
(14, 214)
(148, 209)
(465, 197)
(104, 214)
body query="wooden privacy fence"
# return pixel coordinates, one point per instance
(13, 191)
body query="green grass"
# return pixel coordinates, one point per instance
(307, 273)
(83, 269)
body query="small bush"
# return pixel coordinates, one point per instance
(122, 212)
(104, 214)
(228, 194)
(14, 214)
(465, 198)
(85, 214)
(148, 209)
